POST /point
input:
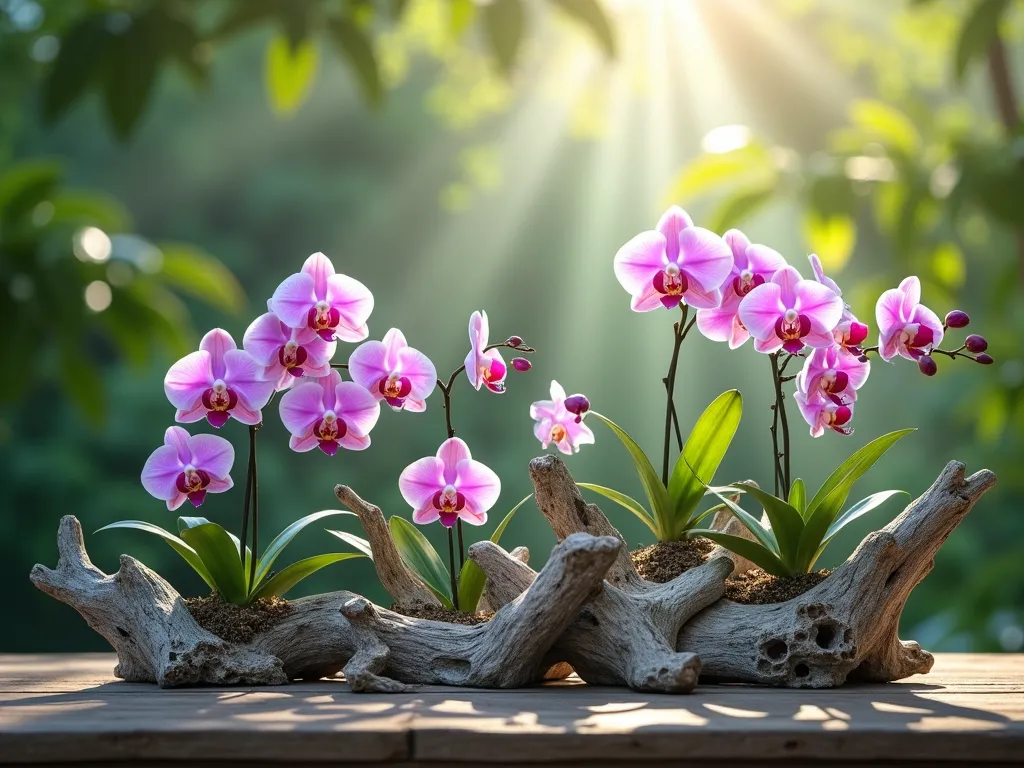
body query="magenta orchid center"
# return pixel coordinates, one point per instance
(791, 328)
(916, 338)
(745, 282)
(323, 318)
(449, 502)
(329, 430)
(493, 371)
(671, 283)
(192, 482)
(395, 389)
(218, 401)
(292, 356)
(837, 419)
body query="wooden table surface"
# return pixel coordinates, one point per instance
(64, 709)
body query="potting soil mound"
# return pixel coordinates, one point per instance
(756, 587)
(665, 560)
(237, 623)
(440, 613)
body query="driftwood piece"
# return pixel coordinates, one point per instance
(847, 626)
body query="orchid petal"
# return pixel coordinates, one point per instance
(367, 364)
(218, 343)
(245, 377)
(820, 305)
(888, 311)
(160, 473)
(303, 443)
(705, 258)
(452, 451)
(417, 367)
(211, 453)
(357, 407)
(787, 279)
(929, 320)
(354, 302)
(421, 480)
(671, 224)
(426, 514)
(738, 244)
(301, 406)
(293, 299)
(264, 338)
(911, 290)
(479, 484)
(698, 298)
(187, 379)
(638, 261)
(760, 309)
(320, 268)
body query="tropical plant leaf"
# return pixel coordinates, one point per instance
(285, 579)
(752, 524)
(977, 33)
(590, 14)
(133, 61)
(859, 509)
(196, 272)
(798, 496)
(750, 166)
(220, 556)
(188, 554)
(739, 206)
(419, 555)
(356, 47)
(265, 561)
(471, 577)
(503, 22)
(701, 455)
(624, 501)
(26, 184)
(290, 72)
(752, 550)
(657, 494)
(355, 541)
(787, 525)
(80, 59)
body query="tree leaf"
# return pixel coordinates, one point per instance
(787, 525)
(265, 561)
(657, 494)
(355, 541)
(422, 558)
(831, 237)
(752, 550)
(503, 22)
(798, 496)
(749, 166)
(82, 208)
(701, 456)
(887, 125)
(188, 554)
(25, 184)
(356, 46)
(740, 206)
(80, 60)
(194, 271)
(132, 64)
(284, 580)
(461, 15)
(220, 556)
(591, 14)
(472, 577)
(977, 33)
(290, 72)
(624, 501)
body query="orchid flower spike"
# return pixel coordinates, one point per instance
(790, 313)
(906, 327)
(557, 424)
(449, 486)
(753, 265)
(484, 367)
(188, 467)
(676, 262)
(332, 305)
(287, 354)
(218, 382)
(394, 372)
(327, 413)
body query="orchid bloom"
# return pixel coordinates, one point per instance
(822, 413)
(905, 326)
(753, 265)
(219, 381)
(484, 366)
(850, 333)
(557, 424)
(790, 313)
(188, 467)
(676, 262)
(288, 354)
(332, 305)
(834, 374)
(328, 413)
(394, 372)
(449, 486)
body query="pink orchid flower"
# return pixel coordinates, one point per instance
(188, 467)
(327, 413)
(905, 326)
(790, 313)
(333, 305)
(484, 366)
(676, 262)
(753, 265)
(449, 486)
(287, 354)
(219, 381)
(394, 372)
(822, 413)
(850, 333)
(557, 424)
(833, 374)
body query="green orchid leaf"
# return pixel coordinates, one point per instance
(787, 525)
(798, 496)
(355, 541)
(471, 577)
(220, 556)
(701, 455)
(185, 522)
(752, 550)
(284, 580)
(752, 524)
(188, 554)
(657, 494)
(624, 501)
(284, 538)
(862, 507)
(422, 558)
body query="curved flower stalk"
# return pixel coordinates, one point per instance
(394, 372)
(560, 420)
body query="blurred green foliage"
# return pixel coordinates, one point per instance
(456, 156)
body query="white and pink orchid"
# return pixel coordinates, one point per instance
(188, 467)
(484, 367)
(905, 326)
(394, 372)
(287, 354)
(790, 313)
(676, 262)
(331, 304)
(450, 486)
(219, 382)
(753, 265)
(329, 413)
(822, 413)
(833, 374)
(557, 424)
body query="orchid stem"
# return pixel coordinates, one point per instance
(342, 366)
(248, 498)
(255, 505)
(451, 570)
(680, 329)
(462, 548)
(782, 466)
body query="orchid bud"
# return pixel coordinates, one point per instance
(984, 359)
(957, 319)
(927, 365)
(521, 364)
(858, 333)
(578, 405)
(976, 343)
(514, 341)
